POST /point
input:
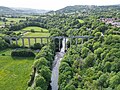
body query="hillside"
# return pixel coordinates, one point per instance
(88, 9)
(8, 10)
(29, 10)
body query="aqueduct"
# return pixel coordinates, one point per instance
(35, 39)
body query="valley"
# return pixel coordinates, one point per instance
(73, 48)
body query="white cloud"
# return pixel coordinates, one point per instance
(54, 4)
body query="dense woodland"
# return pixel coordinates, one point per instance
(91, 65)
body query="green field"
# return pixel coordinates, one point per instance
(14, 73)
(81, 21)
(37, 34)
(1, 34)
(29, 34)
(35, 29)
(1, 22)
(34, 34)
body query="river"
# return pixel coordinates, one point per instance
(56, 64)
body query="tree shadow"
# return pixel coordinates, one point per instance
(23, 58)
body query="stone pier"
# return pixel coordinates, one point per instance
(48, 39)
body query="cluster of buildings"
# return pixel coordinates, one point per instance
(112, 21)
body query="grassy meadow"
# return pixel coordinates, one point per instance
(44, 33)
(80, 21)
(14, 72)
(35, 29)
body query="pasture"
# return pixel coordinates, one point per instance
(39, 32)
(35, 29)
(80, 21)
(14, 72)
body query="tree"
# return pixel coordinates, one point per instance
(107, 67)
(45, 72)
(102, 80)
(89, 60)
(98, 52)
(96, 45)
(84, 52)
(102, 28)
(114, 81)
(97, 35)
(70, 87)
(40, 82)
(40, 62)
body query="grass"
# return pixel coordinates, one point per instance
(45, 33)
(81, 21)
(32, 41)
(14, 73)
(35, 29)
(1, 23)
(37, 34)
(15, 19)
(1, 34)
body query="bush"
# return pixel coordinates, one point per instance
(13, 46)
(40, 62)
(40, 82)
(3, 54)
(37, 46)
(22, 53)
(32, 30)
(3, 44)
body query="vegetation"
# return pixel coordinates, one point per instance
(94, 64)
(90, 65)
(43, 65)
(35, 29)
(3, 44)
(14, 72)
(22, 53)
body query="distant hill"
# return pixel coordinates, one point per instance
(8, 10)
(29, 10)
(87, 8)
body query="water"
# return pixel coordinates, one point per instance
(56, 64)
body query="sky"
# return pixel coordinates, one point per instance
(54, 4)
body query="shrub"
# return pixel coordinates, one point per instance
(3, 44)
(13, 46)
(40, 62)
(22, 53)
(32, 30)
(37, 46)
(3, 54)
(40, 82)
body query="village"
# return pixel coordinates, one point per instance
(113, 21)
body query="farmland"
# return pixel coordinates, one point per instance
(44, 33)
(35, 29)
(14, 72)
(80, 21)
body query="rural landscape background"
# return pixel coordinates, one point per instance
(60, 45)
